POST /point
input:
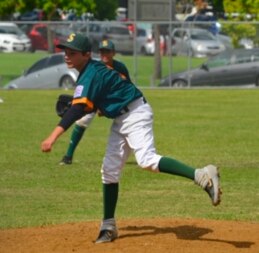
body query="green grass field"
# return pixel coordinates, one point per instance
(141, 68)
(196, 126)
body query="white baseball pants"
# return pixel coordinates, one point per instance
(132, 131)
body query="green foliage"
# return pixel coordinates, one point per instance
(50, 7)
(7, 7)
(80, 6)
(101, 9)
(197, 127)
(238, 31)
(242, 7)
(218, 5)
(233, 6)
(105, 10)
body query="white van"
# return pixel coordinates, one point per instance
(13, 39)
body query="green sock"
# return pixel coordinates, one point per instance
(171, 166)
(110, 197)
(76, 136)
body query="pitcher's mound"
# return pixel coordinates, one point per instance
(137, 236)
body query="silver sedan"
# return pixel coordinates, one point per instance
(195, 42)
(50, 72)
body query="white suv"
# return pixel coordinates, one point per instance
(12, 38)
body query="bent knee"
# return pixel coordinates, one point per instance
(81, 123)
(150, 163)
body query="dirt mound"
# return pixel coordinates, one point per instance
(137, 236)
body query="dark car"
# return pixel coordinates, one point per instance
(232, 67)
(34, 15)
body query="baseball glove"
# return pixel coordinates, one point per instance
(63, 104)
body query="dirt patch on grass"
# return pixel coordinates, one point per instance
(137, 236)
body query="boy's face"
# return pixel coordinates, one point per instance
(106, 56)
(76, 59)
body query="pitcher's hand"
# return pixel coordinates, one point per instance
(46, 145)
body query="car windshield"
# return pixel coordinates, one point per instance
(39, 65)
(117, 30)
(46, 63)
(220, 60)
(141, 33)
(10, 30)
(201, 35)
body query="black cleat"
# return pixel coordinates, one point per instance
(66, 160)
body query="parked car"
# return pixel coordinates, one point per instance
(118, 33)
(146, 42)
(34, 15)
(13, 39)
(195, 42)
(39, 36)
(47, 73)
(232, 67)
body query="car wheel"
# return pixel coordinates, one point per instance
(66, 82)
(179, 83)
(143, 51)
(32, 50)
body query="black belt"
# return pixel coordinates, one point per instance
(127, 108)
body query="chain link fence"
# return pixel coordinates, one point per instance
(159, 48)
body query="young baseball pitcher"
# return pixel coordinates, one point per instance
(103, 89)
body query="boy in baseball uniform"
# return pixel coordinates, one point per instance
(101, 89)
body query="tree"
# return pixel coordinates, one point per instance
(218, 7)
(241, 30)
(242, 7)
(7, 7)
(103, 9)
(106, 9)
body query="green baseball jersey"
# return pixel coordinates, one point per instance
(121, 68)
(104, 89)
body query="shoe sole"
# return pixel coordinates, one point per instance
(105, 241)
(215, 184)
(62, 163)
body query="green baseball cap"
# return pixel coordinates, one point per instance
(76, 41)
(107, 44)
